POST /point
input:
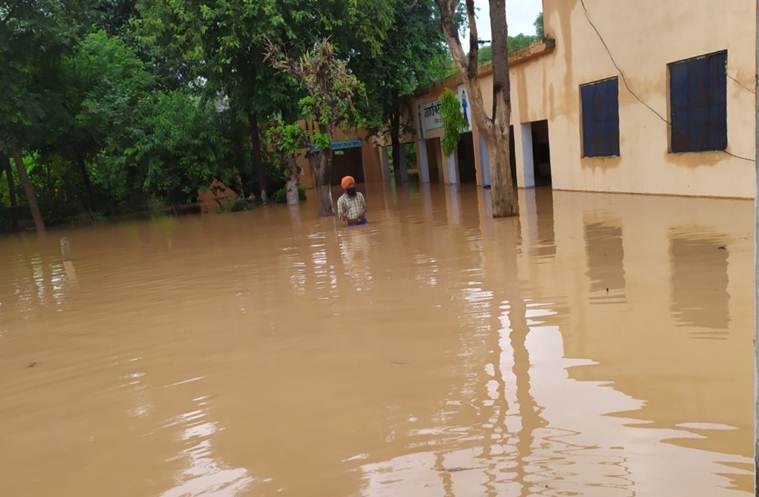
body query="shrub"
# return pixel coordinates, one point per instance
(241, 204)
(280, 196)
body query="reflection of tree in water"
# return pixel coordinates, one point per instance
(524, 453)
(37, 281)
(512, 334)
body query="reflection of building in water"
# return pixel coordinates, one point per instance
(473, 365)
(583, 399)
(605, 252)
(536, 206)
(700, 296)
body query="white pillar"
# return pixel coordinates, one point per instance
(450, 167)
(525, 170)
(484, 161)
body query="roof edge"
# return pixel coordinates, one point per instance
(516, 58)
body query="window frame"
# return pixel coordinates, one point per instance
(583, 151)
(670, 115)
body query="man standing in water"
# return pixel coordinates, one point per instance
(351, 206)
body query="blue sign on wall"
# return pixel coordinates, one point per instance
(342, 144)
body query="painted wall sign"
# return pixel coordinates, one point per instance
(461, 93)
(429, 117)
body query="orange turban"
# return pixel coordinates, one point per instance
(347, 182)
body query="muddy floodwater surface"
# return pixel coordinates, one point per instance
(598, 345)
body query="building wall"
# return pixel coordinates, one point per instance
(643, 36)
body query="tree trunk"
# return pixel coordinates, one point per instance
(90, 202)
(395, 142)
(256, 157)
(291, 187)
(321, 162)
(503, 197)
(291, 191)
(323, 177)
(503, 193)
(11, 193)
(494, 127)
(31, 197)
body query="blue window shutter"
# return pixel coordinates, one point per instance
(600, 118)
(698, 103)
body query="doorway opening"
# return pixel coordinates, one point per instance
(541, 153)
(512, 157)
(433, 159)
(347, 162)
(465, 152)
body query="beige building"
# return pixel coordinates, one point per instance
(667, 109)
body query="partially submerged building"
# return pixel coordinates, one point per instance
(635, 97)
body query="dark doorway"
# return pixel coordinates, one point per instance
(347, 162)
(512, 157)
(465, 150)
(541, 153)
(433, 152)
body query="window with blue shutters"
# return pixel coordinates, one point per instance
(698, 103)
(600, 118)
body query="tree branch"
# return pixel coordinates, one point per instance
(474, 44)
(450, 33)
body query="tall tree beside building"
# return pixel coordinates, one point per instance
(412, 56)
(329, 105)
(494, 126)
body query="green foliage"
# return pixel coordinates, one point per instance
(34, 36)
(125, 105)
(412, 57)
(515, 43)
(331, 88)
(105, 82)
(409, 150)
(180, 148)
(453, 121)
(240, 204)
(285, 138)
(539, 30)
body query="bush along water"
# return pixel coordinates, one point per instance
(280, 196)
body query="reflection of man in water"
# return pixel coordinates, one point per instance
(351, 206)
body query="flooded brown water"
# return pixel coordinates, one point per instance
(599, 345)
